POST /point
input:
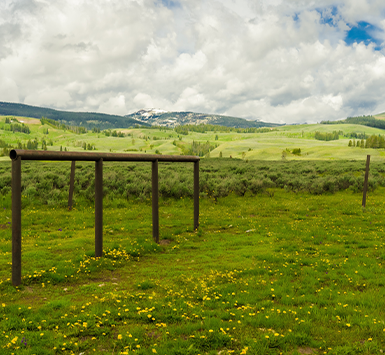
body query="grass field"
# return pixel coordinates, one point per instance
(277, 273)
(285, 261)
(253, 146)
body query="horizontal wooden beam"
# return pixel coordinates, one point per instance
(91, 156)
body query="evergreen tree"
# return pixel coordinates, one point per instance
(381, 142)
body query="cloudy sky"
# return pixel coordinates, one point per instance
(274, 60)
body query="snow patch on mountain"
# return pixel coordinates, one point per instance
(148, 112)
(158, 117)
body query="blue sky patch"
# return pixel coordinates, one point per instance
(170, 4)
(328, 15)
(296, 17)
(364, 32)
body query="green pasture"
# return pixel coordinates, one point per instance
(253, 146)
(274, 273)
(380, 116)
(285, 261)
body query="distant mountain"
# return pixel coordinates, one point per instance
(84, 119)
(172, 119)
(145, 117)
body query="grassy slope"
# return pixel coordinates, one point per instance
(263, 146)
(380, 116)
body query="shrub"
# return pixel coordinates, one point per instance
(218, 178)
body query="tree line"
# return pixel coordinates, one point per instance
(373, 141)
(62, 126)
(368, 120)
(203, 128)
(327, 136)
(16, 127)
(30, 145)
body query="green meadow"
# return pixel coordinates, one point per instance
(251, 146)
(285, 261)
(274, 273)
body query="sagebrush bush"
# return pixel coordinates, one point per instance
(49, 182)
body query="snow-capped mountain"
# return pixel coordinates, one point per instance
(157, 117)
(149, 112)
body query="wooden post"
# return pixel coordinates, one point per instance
(16, 221)
(366, 181)
(99, 208)
(196, 195)
(72, 181)
(155, 203)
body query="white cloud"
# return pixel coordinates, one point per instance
(54, 97)
(114, 104)
(335, 102)
(189, 99)
(282, 61)
(9, 90)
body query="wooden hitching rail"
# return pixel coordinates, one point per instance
(17, 155)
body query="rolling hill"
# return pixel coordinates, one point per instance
(376, 121)
(83, 119)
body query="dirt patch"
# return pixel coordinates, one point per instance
(165, 242)
(306, 350)
(29, 120)
(153, 335)
(4, 226)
